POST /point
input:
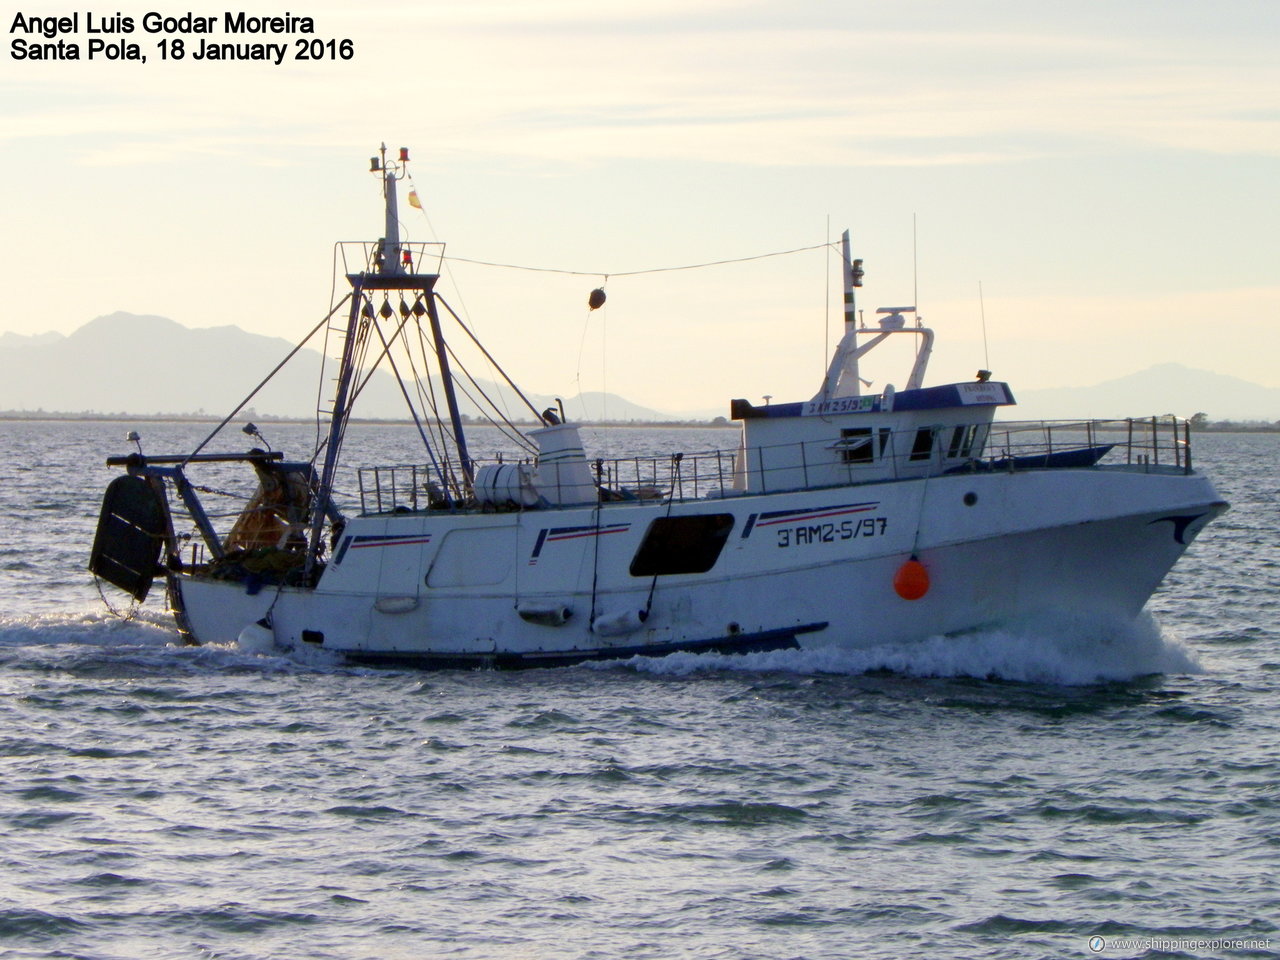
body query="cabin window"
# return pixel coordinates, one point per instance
(972, 440)
(856, 446)
(922, 449)
(682, 545)
(957, 439)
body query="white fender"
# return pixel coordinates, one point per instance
(617, 624)
(257, 638)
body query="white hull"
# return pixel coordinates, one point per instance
(811, 568)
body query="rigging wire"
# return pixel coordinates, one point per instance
(497, 366)
(362, 347)
(413, 412)
(407, 345)
(359, 352)
(501, 410)
(429, 396)
(443, 466)
(519, 439)
(637, 273)
(604, 364)
(457, 287)
(252, 393)
(577, 370)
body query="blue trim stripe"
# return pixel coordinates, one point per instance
(342, 551)
(787, 516)
(537, 547)
(572, 533)
(378, 540)
(555, 534)
(396, 540)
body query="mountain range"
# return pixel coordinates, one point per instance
(125, 363)
(1164, 388)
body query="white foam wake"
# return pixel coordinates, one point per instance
(1063, 650)
(95, 627)
(148, 639)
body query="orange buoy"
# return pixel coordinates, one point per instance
(911, 582)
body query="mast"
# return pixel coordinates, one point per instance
(389, 259)
(391, 267)
(842, 378)
(392, 264)
(851, 280)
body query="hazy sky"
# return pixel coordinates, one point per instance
(1109, 171)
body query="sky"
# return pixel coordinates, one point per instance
(1068, 192)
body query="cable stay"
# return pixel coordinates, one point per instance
(638, 273)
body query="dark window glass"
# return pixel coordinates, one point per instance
(682, 545)
(855, 445)
(923, 446)
(957, 437)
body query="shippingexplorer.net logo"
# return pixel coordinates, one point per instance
(1126, 944)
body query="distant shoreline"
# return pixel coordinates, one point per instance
(53, 416)
(1230, 426)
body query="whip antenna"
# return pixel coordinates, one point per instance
(826, 309)
(915, 270)
(982, 309)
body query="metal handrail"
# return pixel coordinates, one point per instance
(1007, 445)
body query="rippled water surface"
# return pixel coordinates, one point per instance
(1016, 793)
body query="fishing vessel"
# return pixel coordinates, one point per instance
(847, 519)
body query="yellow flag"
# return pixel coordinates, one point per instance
(413, 199)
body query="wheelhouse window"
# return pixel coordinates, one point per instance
(682, 545)
(863, 444)
(923, 446)
(856, 445)
(974, 437)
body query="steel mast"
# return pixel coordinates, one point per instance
(391, 269)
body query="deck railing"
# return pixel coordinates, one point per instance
(1153, 444)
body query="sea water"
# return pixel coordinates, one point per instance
(1045, 790)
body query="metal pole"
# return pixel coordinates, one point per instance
(442, 357)
(337, 423)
